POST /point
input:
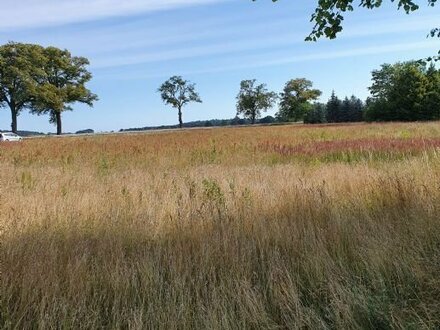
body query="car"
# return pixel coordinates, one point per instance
(8, 136)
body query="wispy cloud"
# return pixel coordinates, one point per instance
(147, 36)
(203, 39)
(37, 13)
(241, 43)
(185, 52)
(277, 59)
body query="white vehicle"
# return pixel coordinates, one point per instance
(7, 136)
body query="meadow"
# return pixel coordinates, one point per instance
(280, 227)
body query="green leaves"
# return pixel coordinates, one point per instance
(329, 15)
(295, 99)
(62, 85)
(177, 92)
(45, 80)
(20, 72)
(253, 98)
(406, 92)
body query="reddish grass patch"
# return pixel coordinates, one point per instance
(391, 145)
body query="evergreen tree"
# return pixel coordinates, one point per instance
(432, 99)
(356, 109)
(333, 108)
(344, 111)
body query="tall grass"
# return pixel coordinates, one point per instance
(206, 229)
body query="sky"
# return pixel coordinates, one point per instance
(135, 45)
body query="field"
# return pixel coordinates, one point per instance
(281, 227)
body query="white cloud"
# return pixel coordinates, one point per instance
(276, 59)
(147, 35)
(184, 52)
(223, 47)
(16, 14)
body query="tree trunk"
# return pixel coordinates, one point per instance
(59, 126)
(180, 118)
(14, 119)
(253, 118)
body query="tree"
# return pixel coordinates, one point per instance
(20, 72)
(253, 99)
(63, 84)
(333, 109)
(344, 115)
(383, 80)
(356, 109)
(396, 86)
(406, 91)
(432, 100)
(295, 99)
(318, 114)
(178, 92)
(348, 110)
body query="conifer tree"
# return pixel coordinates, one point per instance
(333, 108)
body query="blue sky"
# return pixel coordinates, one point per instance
(134, 45)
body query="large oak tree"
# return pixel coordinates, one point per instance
(65, 78)
(21, 70)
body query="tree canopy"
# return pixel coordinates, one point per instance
(178, 92)
(43, 80)
(254, 98)
(20, 72)
(64, 82)
(406, 91)
(295, 99)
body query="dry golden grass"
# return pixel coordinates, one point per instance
(218, 229)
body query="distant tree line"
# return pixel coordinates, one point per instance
(236, 121)
(296, 103)
(408, 91)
